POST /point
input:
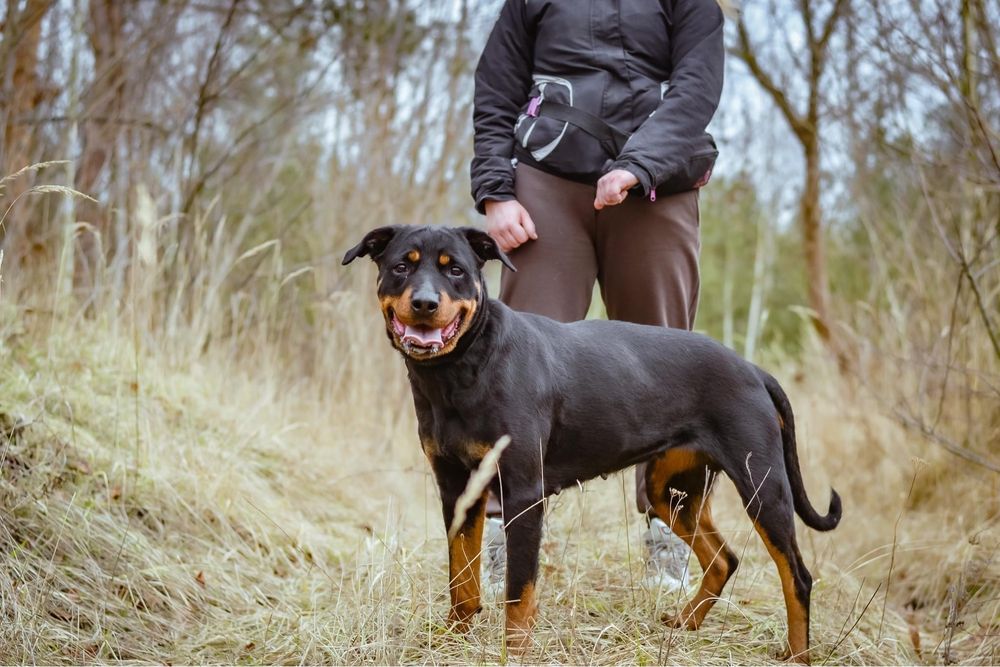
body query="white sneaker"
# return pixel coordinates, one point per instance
(495, 562)
(666, 558)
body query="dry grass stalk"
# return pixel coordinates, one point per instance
(478, 481)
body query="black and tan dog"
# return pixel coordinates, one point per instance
(581, 400)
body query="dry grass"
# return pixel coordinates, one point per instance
(175, 487)
(201, 512)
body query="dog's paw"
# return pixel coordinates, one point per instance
(460, 620)
(519, 643)
(682, 621)
(786, 655)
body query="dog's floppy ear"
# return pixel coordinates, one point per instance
(485, 247)
(373, 243)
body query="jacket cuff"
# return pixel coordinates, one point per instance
(502, 195)
(645, 178)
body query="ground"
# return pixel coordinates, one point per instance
(162, 509)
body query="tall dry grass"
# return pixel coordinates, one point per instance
(209, 455)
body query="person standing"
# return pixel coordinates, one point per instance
(590, 147)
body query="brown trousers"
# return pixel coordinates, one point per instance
(644, 255)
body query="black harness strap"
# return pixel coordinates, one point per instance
(610, 137)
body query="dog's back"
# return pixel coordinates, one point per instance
(620, 393)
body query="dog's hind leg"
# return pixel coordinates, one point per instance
(796, 582)
(768, 500)
(464, 548)
(679, 485)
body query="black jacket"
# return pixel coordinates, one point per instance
(651, 68)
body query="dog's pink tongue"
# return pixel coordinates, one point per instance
(422, 337)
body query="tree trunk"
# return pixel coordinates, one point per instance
(104, 98)
(19, 96)
(805, 126)
(99, 125)
(811, 220)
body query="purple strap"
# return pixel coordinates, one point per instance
(533, 105)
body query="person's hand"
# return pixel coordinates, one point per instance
(613, 188)
(509, 224)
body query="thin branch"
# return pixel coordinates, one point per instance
(831, 22)
(99, 120)
(947, 443)
(746, 53)
(805, 7)
(203, 95)
(983, 313)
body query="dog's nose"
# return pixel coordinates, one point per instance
(425, 303)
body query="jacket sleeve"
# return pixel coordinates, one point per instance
(503, 81)
(666, 141)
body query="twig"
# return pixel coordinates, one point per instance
(858, 620)
(952, 622)
(895, 543)
(957, 450)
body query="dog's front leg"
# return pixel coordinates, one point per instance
(465, 547)
(522, 508)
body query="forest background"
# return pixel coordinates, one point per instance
(208, 452)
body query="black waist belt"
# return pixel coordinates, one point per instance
(610, 137)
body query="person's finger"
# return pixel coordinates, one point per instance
(509, 240)
(518, 233)
(607, 196)
(612, 190)
(599, 195)
(619, 184)
(528, 224)
(504, 239)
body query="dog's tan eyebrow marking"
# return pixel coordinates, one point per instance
(413, 256)
(444, 259)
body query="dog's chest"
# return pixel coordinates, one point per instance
(455, 419)
(468, 453)
(452, 439)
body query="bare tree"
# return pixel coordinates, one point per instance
(806, 127)
(21, 92)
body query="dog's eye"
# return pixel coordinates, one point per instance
(456, 271)
(400, 268)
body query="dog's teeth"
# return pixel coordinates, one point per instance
(435, 348)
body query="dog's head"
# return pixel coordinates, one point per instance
(430, 283)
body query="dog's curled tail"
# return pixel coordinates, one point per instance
(803, 507)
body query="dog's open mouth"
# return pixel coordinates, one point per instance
(421, 340)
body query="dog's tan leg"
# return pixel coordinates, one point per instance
(523, 515)
(796, 591)
(521, 615)
(463, 567)
(694, 525)
(679, 486)
(717, 562)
